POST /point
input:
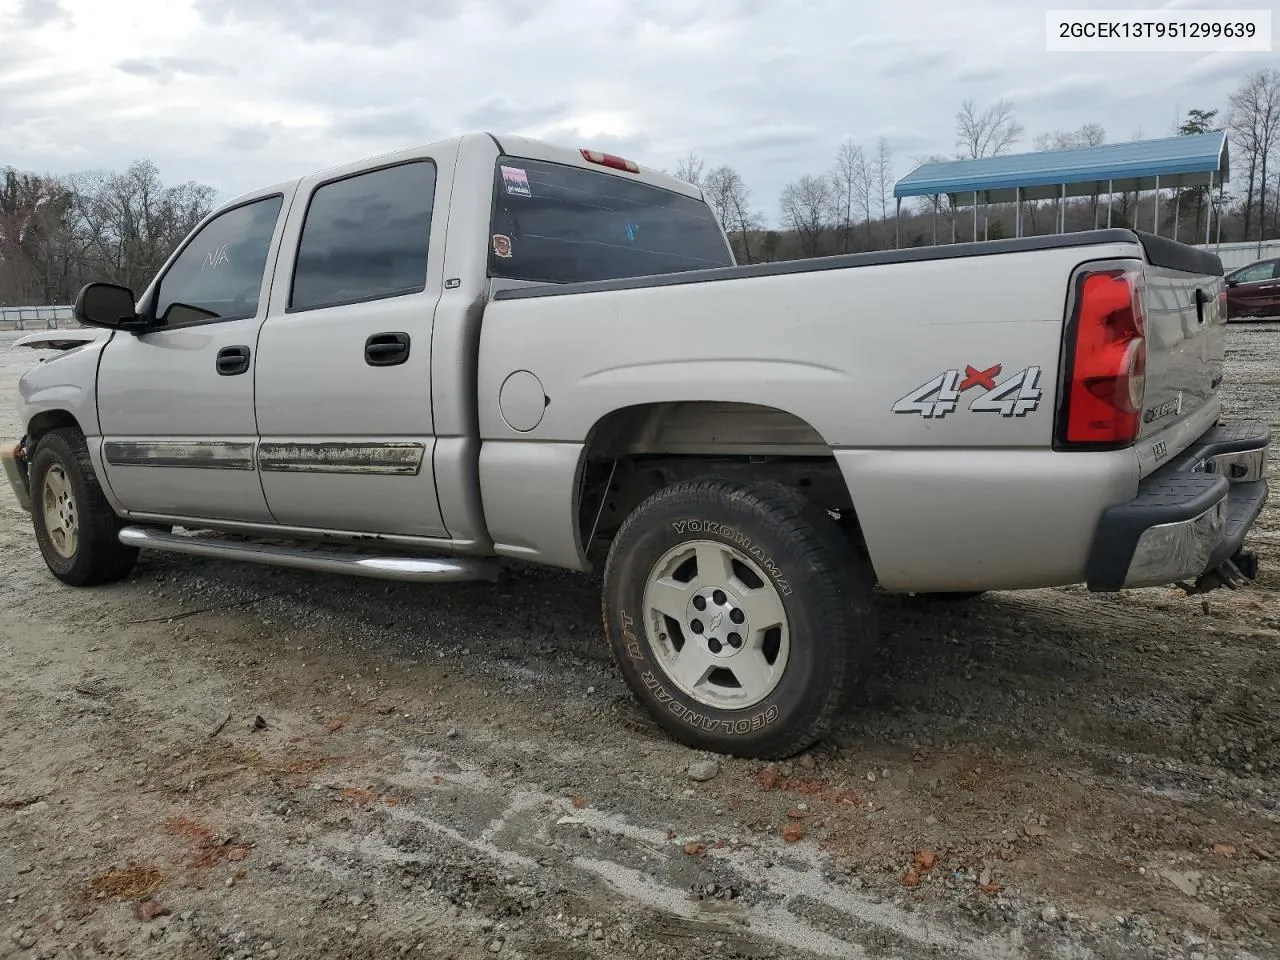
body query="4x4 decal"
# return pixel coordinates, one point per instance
(1015, 396)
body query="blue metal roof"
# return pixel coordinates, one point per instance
(1177, 161)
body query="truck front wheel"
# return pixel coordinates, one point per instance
(738, 614)
(76, 529)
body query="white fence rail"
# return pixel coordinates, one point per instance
(36, 318)
(1238, 254)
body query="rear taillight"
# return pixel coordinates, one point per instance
(609, 160)
(1106, 369)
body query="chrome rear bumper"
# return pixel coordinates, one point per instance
(1190, 518)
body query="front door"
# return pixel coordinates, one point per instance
(176, 404)
(344, 365)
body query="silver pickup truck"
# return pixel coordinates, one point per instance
(414, 366)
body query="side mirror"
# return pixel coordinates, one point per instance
(1233, 283)
(106, 305)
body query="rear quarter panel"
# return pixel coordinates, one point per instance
(838, 349)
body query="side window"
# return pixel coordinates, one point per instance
(218, 275)
(1259, 271)
(365, 238)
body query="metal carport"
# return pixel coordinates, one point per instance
(1167, 163)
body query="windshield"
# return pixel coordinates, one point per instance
(554, 223)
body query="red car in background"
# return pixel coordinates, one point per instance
(1253, 291)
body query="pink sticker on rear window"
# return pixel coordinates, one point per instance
(516, 181)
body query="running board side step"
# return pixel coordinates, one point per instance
(406, 568)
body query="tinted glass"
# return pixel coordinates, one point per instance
(365, 238)
(218, 275)
(1256, 272)
(560, 224)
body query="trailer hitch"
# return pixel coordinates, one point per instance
(1233, 573)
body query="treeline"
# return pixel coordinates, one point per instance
(850, 207)
(57, 233)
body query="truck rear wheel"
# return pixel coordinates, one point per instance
(76, 528)
(738, 614)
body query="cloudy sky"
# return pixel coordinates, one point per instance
(238, 93)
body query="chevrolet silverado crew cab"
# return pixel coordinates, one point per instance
(485, 350)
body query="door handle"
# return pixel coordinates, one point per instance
(386, 349)
(232, 360)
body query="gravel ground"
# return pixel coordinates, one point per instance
(212, 760)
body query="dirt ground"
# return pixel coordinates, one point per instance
(456, 771)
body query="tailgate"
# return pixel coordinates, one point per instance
(1185, 334)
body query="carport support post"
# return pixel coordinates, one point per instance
(1177, 209)
(1111, 195)
(1208, 202)
(897, 224)
(975, 216)
(953, 217)
(986, 214)
(1017, 212)
(1062, 210)
(1155, 217)
(935, 219)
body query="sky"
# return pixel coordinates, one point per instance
(242, 93)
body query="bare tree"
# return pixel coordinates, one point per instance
(1089, 135)
(989, 133)
(731, 200)
(132, 221)
(806, 209)
(691, 169)
(1254, 124)
(883, 175)
(848, 174)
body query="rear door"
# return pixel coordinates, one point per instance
(344, 368)
(176, 404)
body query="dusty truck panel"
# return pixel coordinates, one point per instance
(409, 366)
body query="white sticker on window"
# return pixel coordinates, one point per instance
(516, 181)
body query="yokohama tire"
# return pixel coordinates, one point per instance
(75, 526)
(786, 555)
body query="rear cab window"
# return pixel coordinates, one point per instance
(556, 223)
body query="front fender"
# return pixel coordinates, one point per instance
(64, 383)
